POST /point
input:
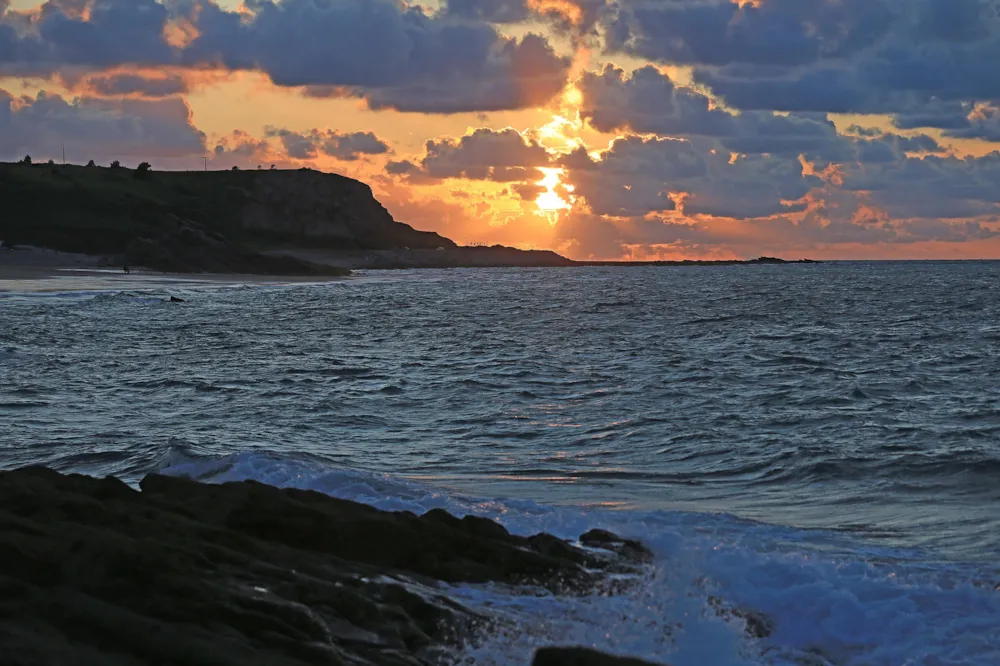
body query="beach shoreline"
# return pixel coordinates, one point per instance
(41, 270)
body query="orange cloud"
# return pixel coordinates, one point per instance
(563, 8)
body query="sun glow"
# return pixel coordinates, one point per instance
(552, 201)
(560, 136)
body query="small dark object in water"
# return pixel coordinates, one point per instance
(126, 270)
(174, 299)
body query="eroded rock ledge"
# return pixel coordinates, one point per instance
(94, 572)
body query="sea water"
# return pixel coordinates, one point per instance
(818, 443)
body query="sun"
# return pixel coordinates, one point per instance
(551, 201)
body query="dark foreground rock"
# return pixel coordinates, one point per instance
(93, 572)
(582, 657)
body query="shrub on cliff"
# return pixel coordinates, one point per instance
(142, 171)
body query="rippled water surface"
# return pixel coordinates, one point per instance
(859, 397)
(853, 407)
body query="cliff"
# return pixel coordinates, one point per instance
(198, 221)
(265, 222)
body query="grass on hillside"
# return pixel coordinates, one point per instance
(100, 209)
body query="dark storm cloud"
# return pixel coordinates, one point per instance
(648, 102)
(493, 11)
(92, 128)
(721, 32)
(888, 148)
(905, 176)
(981, 123)
(638, 176)
(379, 50)
(347, 147)
(929, 187)
(577, 16)
(115, 32)
(118, 84)
(936, 114)
(892, 57)
(502, 156)
(376, 49)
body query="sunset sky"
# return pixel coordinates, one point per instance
(602, 129)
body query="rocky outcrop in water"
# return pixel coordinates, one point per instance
(93, 572)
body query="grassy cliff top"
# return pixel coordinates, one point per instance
(101, 210)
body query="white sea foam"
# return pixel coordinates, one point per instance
(833, 600)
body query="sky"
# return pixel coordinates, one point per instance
(602, 129)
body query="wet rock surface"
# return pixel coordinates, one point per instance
(629, 549)
(95, 572)
(576, 656)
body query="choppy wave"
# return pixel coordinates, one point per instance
(832, 600)
(820, 443)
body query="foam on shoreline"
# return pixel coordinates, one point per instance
(833, 600)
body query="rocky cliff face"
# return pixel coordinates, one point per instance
(331, 210)
(234, 215)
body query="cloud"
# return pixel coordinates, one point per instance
(379, 50)
(347, 147)
(936, 114)
(982, 122)
(527, 191)
(851, 56)
(485, 154)
(108, 34)
(587, 236)
(94, 128)
(945, 187)
(492, 11)
(134, 84)
(648, 101)
(241, 149)
(391, 56)
(720, 32)
(576, 17)
(636, 177)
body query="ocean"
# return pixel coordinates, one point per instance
(818, 443)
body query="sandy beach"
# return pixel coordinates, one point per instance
(38, 270)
